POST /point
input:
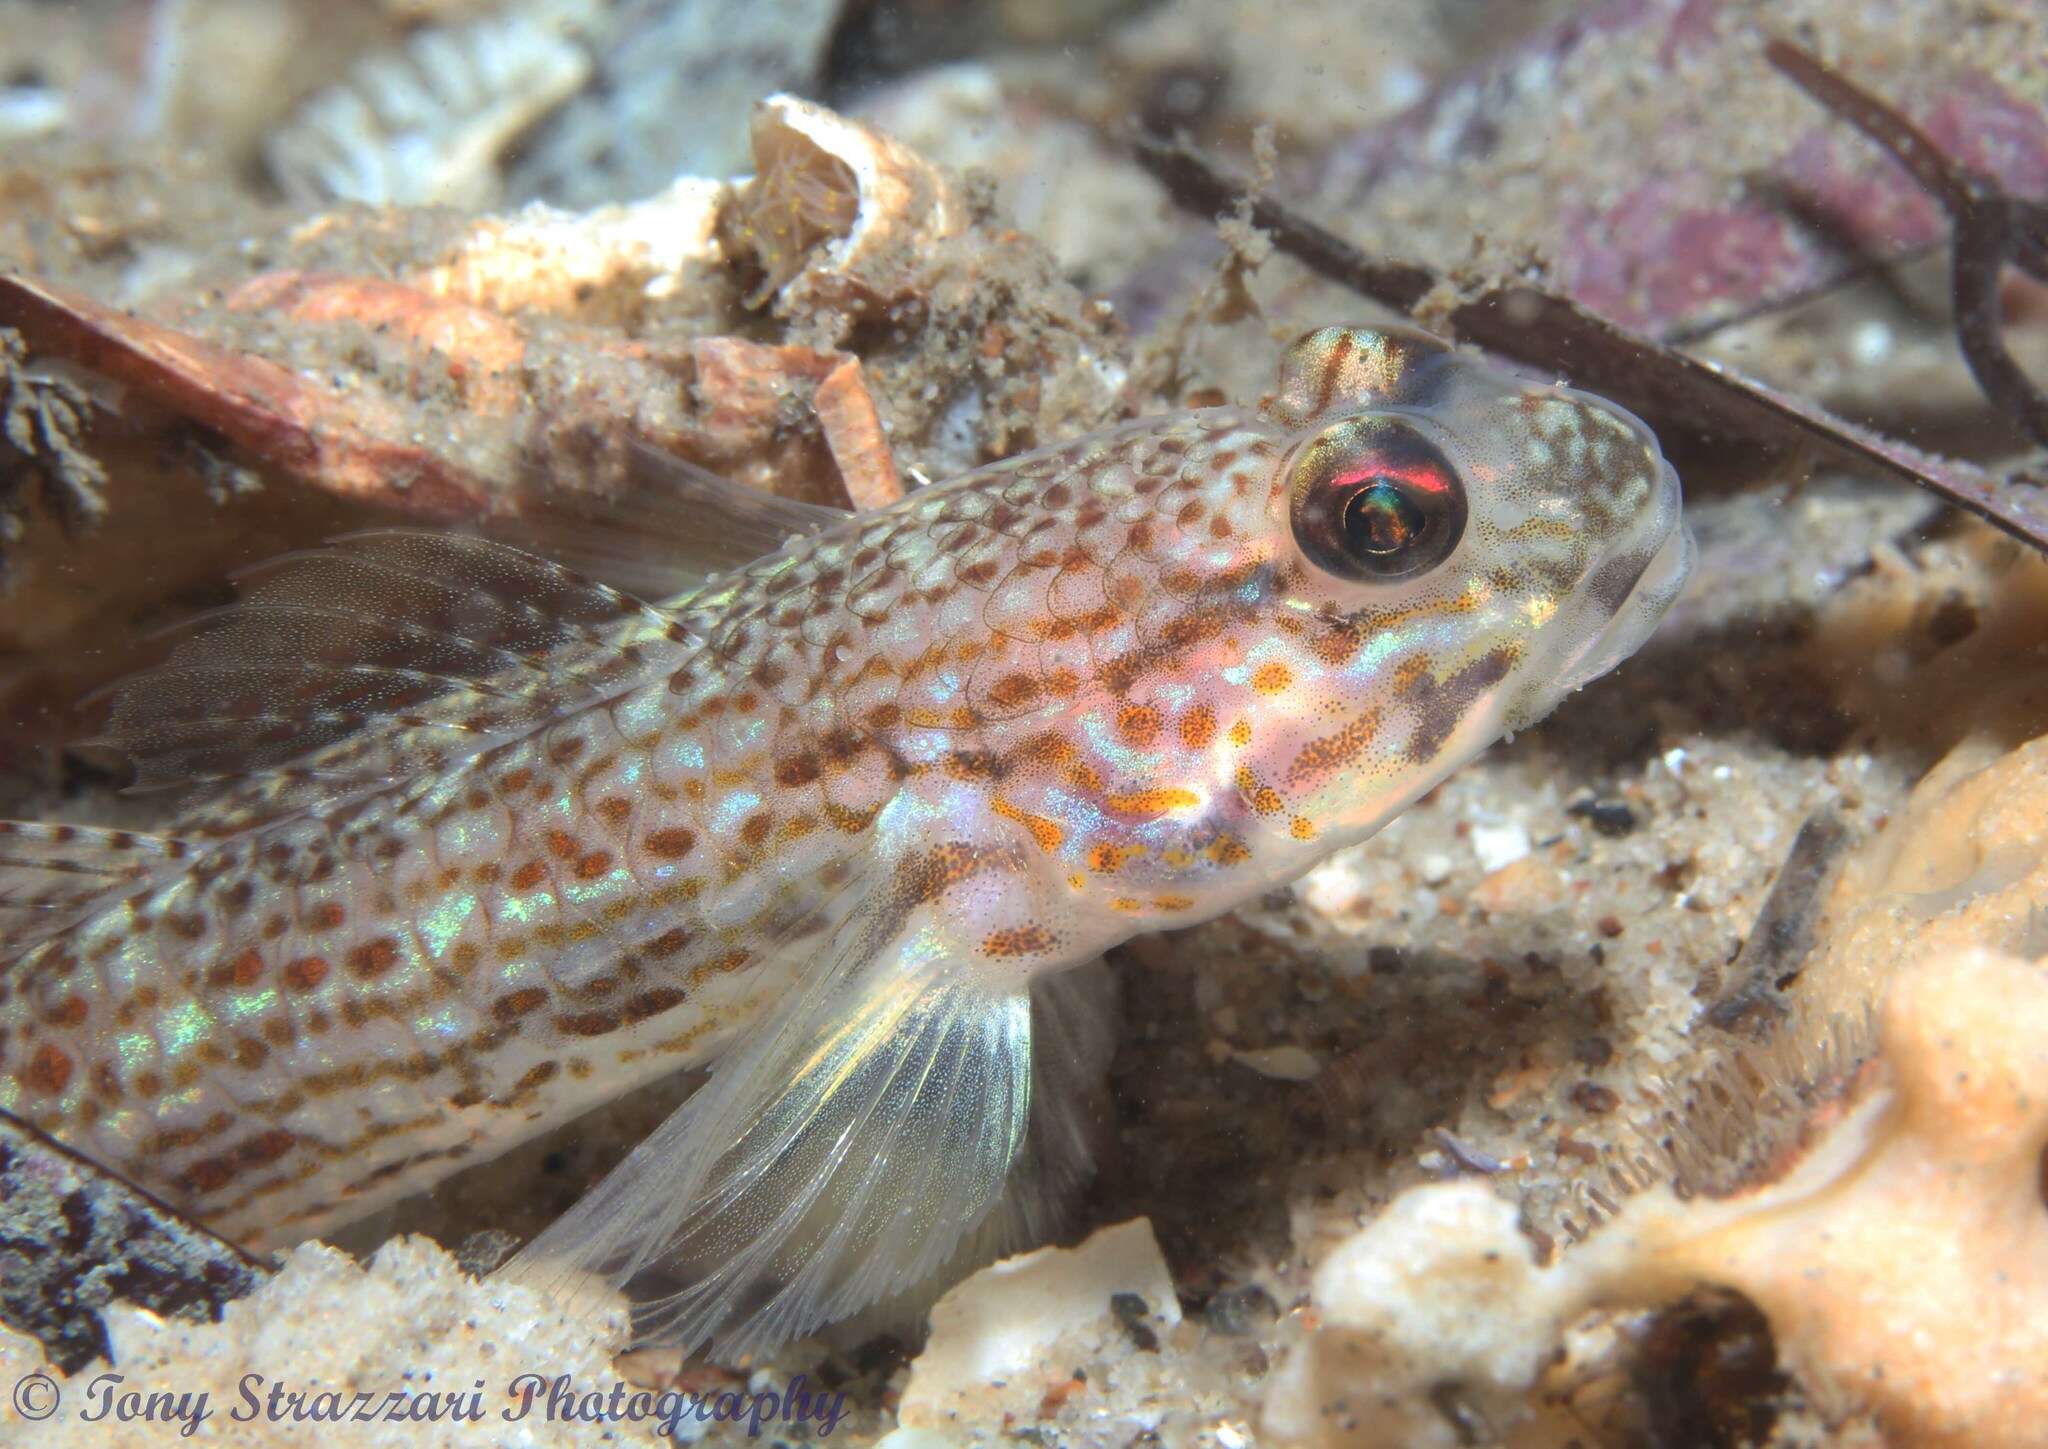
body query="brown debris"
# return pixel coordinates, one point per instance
(41, 417)
(1754, 1001)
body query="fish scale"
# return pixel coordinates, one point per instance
(496, 844)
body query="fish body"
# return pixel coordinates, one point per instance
(832, 821)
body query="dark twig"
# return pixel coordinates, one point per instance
(1676, 394)
(1783, 934)
(1201, 188)
(1991, 229)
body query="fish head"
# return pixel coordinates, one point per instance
(1459, 549)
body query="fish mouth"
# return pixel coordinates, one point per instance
(1642, 607)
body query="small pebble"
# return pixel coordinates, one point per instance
(1500, 845)
(1241, 1311)
(1608, 817)
(1594, 1098)
(1131, 1311)
(1281, 1063)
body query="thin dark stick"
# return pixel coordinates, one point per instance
(1991, 229)
(1197, 186)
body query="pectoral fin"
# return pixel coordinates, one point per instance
(833, 1161)
(1073, 1037)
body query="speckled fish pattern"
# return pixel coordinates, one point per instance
(466, 881)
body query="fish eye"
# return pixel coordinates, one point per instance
(1371, 500)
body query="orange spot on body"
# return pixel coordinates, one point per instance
(721, 965)
(849, 820)
(244, 970)
(1228, 850)
(48, 1071)
(1014, 941)
(373, 958)
(1410, 672)
(1241, 733)
(1273, 678)
(209, 1174)
(798, 770)
(1085, 777)
(1198, 727)
(668, 942)
(1139, 725)
(515, 1004)
(264, 1147)
(1322, 756)
(1263, 798)
(672, 843)
(306, 973)
(1149, 804)
(529, 875)
(651, 1003)
(1107, 859)
(1048, 833)
(536, 1076)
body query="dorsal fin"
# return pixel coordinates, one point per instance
(377, 658)
(672, 526)
(51, 875)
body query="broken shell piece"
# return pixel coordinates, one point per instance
(353, 443)
(428, 123)
(837, 215)
(992, 1346)
(605, 263)
(853, 431)
(1441, 1287)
